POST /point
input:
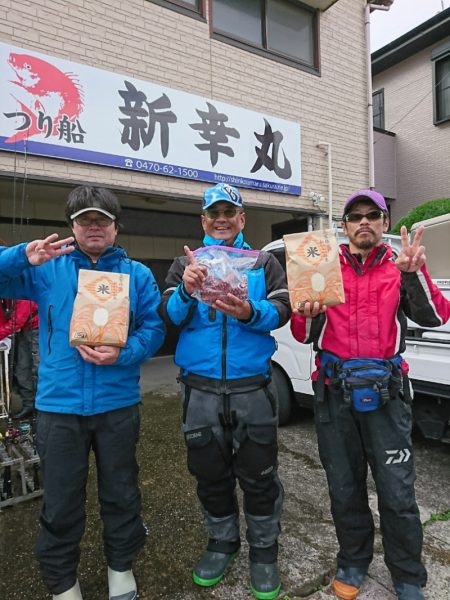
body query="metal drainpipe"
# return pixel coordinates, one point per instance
(370, 91)
(326, 146)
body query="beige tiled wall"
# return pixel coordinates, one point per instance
(149, 42)
(422, 148)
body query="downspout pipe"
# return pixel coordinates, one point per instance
(326, 146)
(368, 10)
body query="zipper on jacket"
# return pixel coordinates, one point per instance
(50, 328)
(224, 350)
(131, 323)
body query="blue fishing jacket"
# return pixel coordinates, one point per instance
(214, 345)
(66, 382)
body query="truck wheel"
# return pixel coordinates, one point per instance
(283, 391)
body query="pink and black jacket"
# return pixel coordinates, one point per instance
(372, 322)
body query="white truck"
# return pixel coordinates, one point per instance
(428, 350)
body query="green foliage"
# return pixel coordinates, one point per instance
(427, 210)
(444, 516)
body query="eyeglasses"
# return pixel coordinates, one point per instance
(229, 213)
(356, 217)
(102, 222)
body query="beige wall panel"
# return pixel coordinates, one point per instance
(149, 42)
(423, 149)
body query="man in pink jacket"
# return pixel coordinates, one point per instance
(362, 394)
(20, 318)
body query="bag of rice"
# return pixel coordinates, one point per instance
(313, 269)
(101, 309)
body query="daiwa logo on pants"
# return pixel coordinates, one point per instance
(397, 456)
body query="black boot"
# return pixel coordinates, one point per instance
(407, 591)
(25, 413)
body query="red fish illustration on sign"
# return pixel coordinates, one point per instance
(50, 91)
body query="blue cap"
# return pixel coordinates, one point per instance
(222, 193)
(371, 195)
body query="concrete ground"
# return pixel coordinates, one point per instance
(170, 507)
(308, 544)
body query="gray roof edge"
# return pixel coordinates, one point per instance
(431, 31)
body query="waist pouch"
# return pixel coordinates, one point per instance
(365, 382)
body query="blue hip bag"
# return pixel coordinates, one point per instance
(365, 382)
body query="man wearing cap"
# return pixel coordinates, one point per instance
(371, 424)
(229, 410)
(87, 396)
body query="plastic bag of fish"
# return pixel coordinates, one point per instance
(226, 272)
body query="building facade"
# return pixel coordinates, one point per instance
(411, 85)
(283, 63)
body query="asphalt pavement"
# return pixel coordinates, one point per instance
(176, 536)
(307, 544)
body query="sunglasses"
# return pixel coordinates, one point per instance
(102, 222)
(229, 213)
(356, 217)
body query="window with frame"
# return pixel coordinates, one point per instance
(378, 109)
(442, 89)
(283, 29)
(187, 7)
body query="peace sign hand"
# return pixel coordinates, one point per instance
(194, 274)
(412, 256)
(41, 251)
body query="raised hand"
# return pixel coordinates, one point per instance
(194, 274)
(412, 255)
(41, 251)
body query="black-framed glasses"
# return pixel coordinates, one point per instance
(102, 222)
(356, 217)
(229, 213)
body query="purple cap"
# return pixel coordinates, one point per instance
(371, 195)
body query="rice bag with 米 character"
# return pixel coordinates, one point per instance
(101, 309)
(226, 272)
(313, 269)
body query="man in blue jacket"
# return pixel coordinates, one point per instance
(87, 396)
(230, 412)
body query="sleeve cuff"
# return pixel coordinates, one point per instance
(183, 293)
(253, 317)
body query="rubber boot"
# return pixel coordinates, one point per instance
(407, 591)
(348, 581)
(265, 580)
(73, 594)
(121, 585)
(211, 567)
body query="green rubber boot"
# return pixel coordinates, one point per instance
(265, 580)
(211, 567)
